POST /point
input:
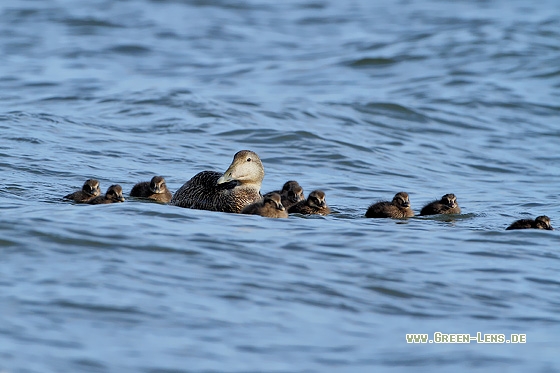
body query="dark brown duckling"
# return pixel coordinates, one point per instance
(446, 205)
(541, 222)
(270, 207)
(113, 195)
(399, 208)
(291, 193)
(231, 191)
(89, 191)
(315, 204)
(156, 190)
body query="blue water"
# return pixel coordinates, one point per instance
(361, 99)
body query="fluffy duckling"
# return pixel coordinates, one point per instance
(270, 207)
(314, 204)
(291, 193)
(446, 205)
(156, 190)
(231, 191)
(541, 222)
(113, 195)
(399, 208)
(89, 191)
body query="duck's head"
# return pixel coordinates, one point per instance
(449, 200)
(543, 222)
(91, 187)
(275, 201)
(157, 184)
(114, 193)
(316, 199)
(245, 168)
(401, 200)
(295, 194)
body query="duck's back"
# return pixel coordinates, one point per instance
(203, 193)
(99, 200)
(522, 224)
(253, 209)
(380, 210)
(141, 189)
(269, 211)
(265, 210)
(300, 208)
(387, 210)
(436, 207)
(80, 197)
(303, 208)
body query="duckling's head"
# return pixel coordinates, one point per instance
(401, 200)
(245, 168)
(543, 222)
(114, 193)
(157, 184)
(275, 201)
(289, 185)
(316, 199)
(449, 200)
(295, 194)
(91, 187)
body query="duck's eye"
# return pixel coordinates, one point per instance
(248, 159)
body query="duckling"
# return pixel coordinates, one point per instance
(231, 191)
(291, 193)
(541, 222)
(156, 190)
(89, 191)
(446, 205)
(399, 208)
(314, 204)
(113, 195)
(270, 207)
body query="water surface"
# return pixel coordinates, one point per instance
(360, 99)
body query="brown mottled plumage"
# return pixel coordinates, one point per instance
(114, 194)
(270, 207)
(89, 191)
(156, 190)
(541, 222)
(315, 204)
(399, 208)
(446, 205)
(236, 188)
(291, 193)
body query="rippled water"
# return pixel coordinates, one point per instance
(359, 98)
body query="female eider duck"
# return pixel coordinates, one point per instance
(541, 222)
(113, 195)
(399, 208)
(270, 207)
(155, 190)
(315, 204)
(291, 193)
(231, 191)
(89, 191)
(446, 205)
